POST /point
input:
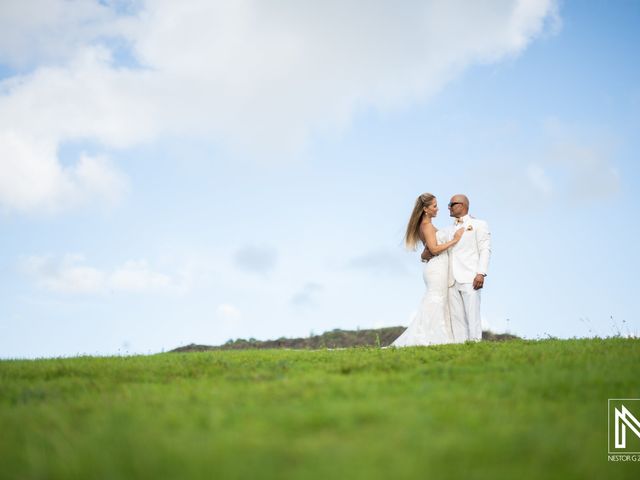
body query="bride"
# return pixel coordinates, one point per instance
(432, 323)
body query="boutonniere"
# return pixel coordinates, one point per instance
(469, 228)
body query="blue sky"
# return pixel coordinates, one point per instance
(248, 171)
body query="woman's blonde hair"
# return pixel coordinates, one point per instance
(412, 236)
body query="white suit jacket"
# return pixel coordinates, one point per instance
(470, 255)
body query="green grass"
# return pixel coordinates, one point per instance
(498, 410)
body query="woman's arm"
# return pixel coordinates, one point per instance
(429, 232)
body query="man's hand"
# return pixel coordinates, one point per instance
(426, 255)
(478, 282)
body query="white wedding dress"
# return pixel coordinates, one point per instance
(432, 323)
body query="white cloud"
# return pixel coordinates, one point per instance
(255, 76)
(44, 31)
(32, 178)
(229, 312)
(539, 179)
(70, 274)
(573, 163)
(95, 176)
(585, 156)
(592, 173)
(136, 276)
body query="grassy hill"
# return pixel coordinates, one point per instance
(377, 337)
(496, 410)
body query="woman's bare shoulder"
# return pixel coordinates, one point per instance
(428, 226)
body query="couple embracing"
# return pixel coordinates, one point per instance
(456, 261)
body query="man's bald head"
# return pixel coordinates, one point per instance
(459, 205)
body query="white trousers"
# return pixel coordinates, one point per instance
(464, 306)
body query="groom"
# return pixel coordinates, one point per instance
(468, 264)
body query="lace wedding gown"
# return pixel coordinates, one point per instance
(432, 323)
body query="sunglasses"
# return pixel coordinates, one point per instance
(451, 204)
